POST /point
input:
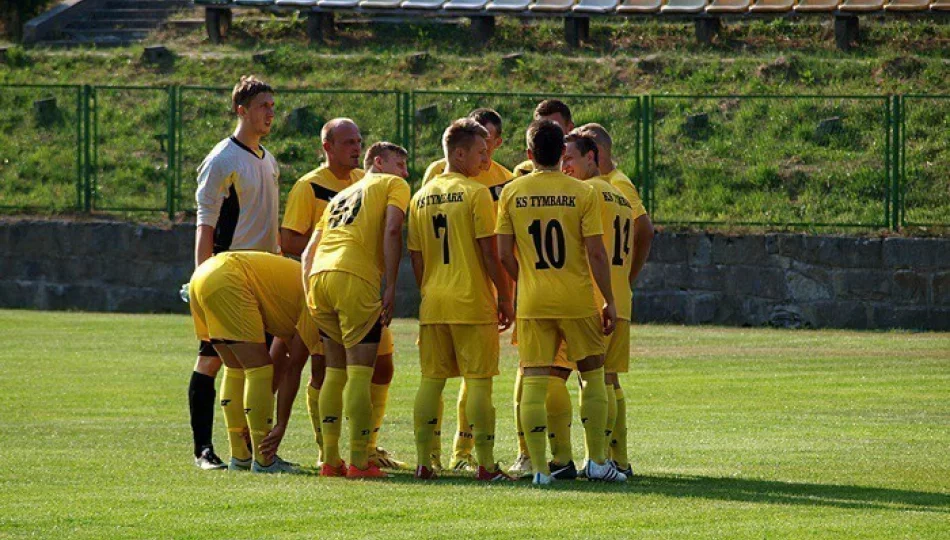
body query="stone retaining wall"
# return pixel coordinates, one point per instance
(691, 278)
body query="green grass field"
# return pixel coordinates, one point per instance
(735, 433)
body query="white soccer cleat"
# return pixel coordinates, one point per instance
(541, 479)
(603, 473)
(522, 467)
(240, 464)
(278, 466)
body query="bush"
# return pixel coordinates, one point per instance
(14, 15)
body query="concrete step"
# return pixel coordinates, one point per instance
(121, 14)
(147, 4)
(146, 24)
(111, 36)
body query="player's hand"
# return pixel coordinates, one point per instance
(389, 301)
(610, 319)
(506, 315)
(270, 443)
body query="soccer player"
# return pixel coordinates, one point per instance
(556, 111)
(308, 199)
(554, 221)
(235, 298)
(494, 177)
(581, 158)
(642, 240)
(237, 201)
(358, 240)
(455, 262)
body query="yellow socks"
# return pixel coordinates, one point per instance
(534, 420)
(359, 411)
(436, 449)
(481, 412)
(594, 413)
(611, 417)
(463, 435)
(425, 417)
(618, 446)
(259, 406)
(559, 420)
(522, 445)
(232, 405)
(313, 407)
(331, 409)
(379, 394)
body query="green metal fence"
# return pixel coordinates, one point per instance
(788, 161)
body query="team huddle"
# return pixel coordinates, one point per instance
(550, 250)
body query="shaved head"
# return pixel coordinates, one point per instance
(326, 134)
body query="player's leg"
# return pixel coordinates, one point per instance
(560, 413)
(537, 344)
(616, 362)
(609, 379)
(436, 355)
(232, 407)
(383, 373)
(201, 402)
(331, 407)
(357, 402)
(463, 443)
(619, 442)
(522, 464)
(317, 374)
(258, 395)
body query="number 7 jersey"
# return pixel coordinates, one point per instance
(550, 214)
(446, 219)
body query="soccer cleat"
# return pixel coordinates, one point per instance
(435, 463)
(484, 475)
(278, 466)
(628, 472)
(240, 464)
(563, 472)
(463, 463)
(541, 479)
(522, 467)
(603, 473)
(333, 472)
(371, 471)
(425, 473)
(209, 461)
(384, 460)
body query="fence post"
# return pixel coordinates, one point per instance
(409, 111)
(79, 140)
(896, 146)
(170, 168)
(87, 166)
(646, 149)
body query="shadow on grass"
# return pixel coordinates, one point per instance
(725, 489)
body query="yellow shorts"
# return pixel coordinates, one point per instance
(453, 350)
(539, 340)
(617, 359)
(310, 334)
(345, 307)
(560, 359)
(222, 304)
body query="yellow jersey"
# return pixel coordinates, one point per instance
(494, 178)
(620, 181)
(523, 168)
(446, 218)
(550, 214)
(311, 194)
(353, 227)
(616, 215)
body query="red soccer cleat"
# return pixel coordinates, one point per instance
(372, 471)
(484, 475)
(333, 472)
(425, 473)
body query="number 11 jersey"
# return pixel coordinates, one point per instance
(446, 219)
(550, 214)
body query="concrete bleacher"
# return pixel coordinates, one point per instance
(705, 14)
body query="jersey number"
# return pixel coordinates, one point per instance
(549, 245)
(344, 211)
(618, 258)
(441, 223)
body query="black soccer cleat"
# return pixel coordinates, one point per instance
(563, 472)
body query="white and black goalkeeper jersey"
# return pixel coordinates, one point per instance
(238, 195)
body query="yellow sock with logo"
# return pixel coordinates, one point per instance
(436, 449)
(232, 405)
(358, 408)
(611, 418)
(534, 420)
(331, 411)
(594, 413)
(481, 412)
(618, 445)
(379, 394)
(425, 417)
(313, 408)
(559, 420)
(463, 443)
(259, 406)
(522, 445)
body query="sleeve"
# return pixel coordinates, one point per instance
(301, 207)
(630, 192)
(434, 169)
(214, 180)
(398, 193)
(413, 242)
(591, 224)
(503, 225)
(483, 210)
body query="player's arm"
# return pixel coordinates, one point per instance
(287, 388)
(600, 268)
(212, 189)
(204, 244)
(306, 259)
(488, 251)
(292, 242)
(642, 242)
(392, 252)
(418, 266)
(506, 252)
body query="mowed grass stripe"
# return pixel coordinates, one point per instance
(735, 432)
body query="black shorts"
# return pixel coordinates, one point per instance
(206, 348)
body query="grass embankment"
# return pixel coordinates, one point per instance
(757, 159)
(734, 433)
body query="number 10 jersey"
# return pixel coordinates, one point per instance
(550, 214)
